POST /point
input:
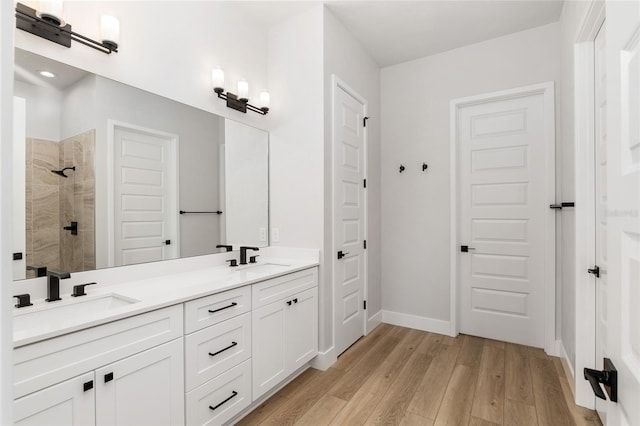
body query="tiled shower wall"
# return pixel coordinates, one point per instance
(53, 202)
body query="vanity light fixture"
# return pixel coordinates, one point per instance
(239, 102)
(48, 24)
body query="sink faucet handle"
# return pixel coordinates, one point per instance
(232, 262)
(78, 290)
(23, 300)
(252, 259)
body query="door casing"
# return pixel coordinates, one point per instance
(547, 90)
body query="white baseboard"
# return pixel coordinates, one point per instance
(325, 359)
(419, 323)
(373, 322)
(566, 362)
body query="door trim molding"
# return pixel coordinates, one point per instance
(548, 91)
(336, 83)
(111, 132)
(584, 151)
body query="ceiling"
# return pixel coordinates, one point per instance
(399, 31)
(28, 66)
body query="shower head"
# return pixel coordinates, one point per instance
(61, 172)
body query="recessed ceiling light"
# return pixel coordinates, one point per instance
(47, 74)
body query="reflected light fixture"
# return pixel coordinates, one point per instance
(239, 102)
(49, 24)
(47, 74)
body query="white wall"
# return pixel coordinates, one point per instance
(6, 131)
(43, 110)
(296, 141)
(415, 127)
(346, 58)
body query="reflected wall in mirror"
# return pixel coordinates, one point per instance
(108, 168)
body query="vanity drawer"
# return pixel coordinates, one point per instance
(228, 394)
(266, 292)
(206, 311)
(51, 361)
(215, 349)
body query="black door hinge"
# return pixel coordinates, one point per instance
(364, 121)
(365, 183)
(365, 304)
(364, 244)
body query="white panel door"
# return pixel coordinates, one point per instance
(349, 217)
(623, 207)
(64, 404)
(144, 389)
(503, 179)
(600, 168)
(19, 179)
(145, 194)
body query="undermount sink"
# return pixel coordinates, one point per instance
(264, 268)
(69, 311)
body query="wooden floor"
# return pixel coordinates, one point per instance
(400, 376)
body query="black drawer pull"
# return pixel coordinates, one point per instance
(88, 385)
(234, 393)
(225, 349)
(223, 308)
(108, 377)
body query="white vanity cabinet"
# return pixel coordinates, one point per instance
(285, 327)
(125, 372)
(218, 356)
(67, 403)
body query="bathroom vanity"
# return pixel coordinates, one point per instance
(198, 347)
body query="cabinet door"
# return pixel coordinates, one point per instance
(268, 343)
(144, 389)
(63, 404)
(301, 343)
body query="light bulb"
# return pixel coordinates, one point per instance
(243, 90)
(52, 11)
(265, 100)
(217, 80)
(110, 31)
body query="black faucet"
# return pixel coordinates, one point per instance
(243, 253)
(225, 247)
(53, 284)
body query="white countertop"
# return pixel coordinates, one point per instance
(151, 293)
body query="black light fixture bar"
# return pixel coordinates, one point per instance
(27, 20)
(241, 105)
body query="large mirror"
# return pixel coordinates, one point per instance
(109, 175)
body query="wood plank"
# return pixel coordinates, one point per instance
(410, 341)
(518, 384)
(393, 405)
(458, 399)
(368, 396)
(410, 419)
(262, 411)
(488, 403)
(352, 355)
(480, 422)
(471, 351)
(299, 382)
(551, 407)
(428, 397)
(302, 400)
(517, 413)
(497, 343)
(430, 344)
(323, 412)
(359, 373)
(492, 358)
